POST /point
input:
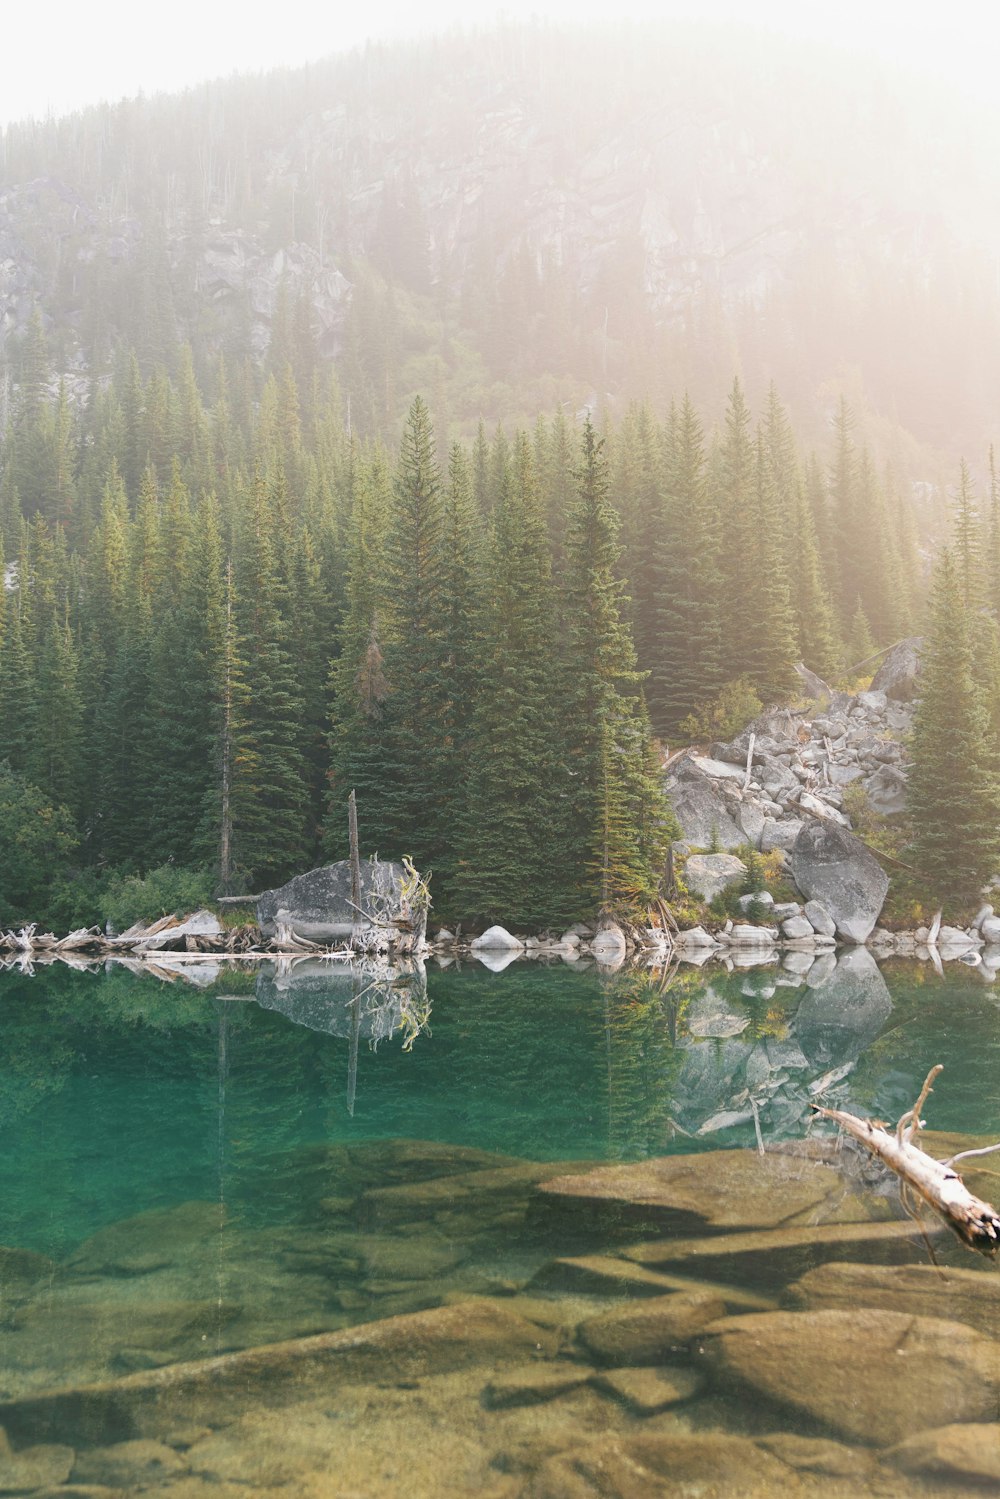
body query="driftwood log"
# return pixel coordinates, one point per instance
(937, 1183)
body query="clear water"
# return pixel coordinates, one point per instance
(125, 1098)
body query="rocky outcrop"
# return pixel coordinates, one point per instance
(899, 673)
(833, 867)
(800, 764)
(708, 875)
(317, 906)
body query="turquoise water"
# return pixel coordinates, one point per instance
(120, 1093)
(234, 1169)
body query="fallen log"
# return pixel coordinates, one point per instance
(937, 1183)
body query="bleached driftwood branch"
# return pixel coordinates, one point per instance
(976, 1223)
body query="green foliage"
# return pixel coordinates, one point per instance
(38, 839)
(736, 705)
(89, 898)
(954, 789)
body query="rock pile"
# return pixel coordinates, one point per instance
(800, 762)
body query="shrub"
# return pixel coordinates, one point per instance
(726, 715)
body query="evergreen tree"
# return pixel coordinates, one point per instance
(606, 736)
(513, 783)
(954, 791)
(686, 586)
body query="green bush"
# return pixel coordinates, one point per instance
(93, 899)
(726, 715)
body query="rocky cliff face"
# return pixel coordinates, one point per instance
(604, 196)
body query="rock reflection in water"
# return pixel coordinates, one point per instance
(368, 999)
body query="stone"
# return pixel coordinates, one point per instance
(990, 930)
(956, 936)
(822, 807)
(695, 936)
(413, 1346)
(485, 1192)
(874, 701)
(318, 903)
(780, 834)
(496, 939)
(533, 1384)
(817, 1455)
(319, 993)
(744, 935)
(647, 1391)
(796, 927)
(658, 1466)
(716, 770)
(703, 815)
(898, 676)
(21, 1270)
(651, 1331)
(770, 1258)
(609, 943)
(971, 1297)
(833, 867)
(708, 874)
(819, 918)
(722, 1189)
(34, 1468)
(756, 898)
(810, 685)
(841, 1016)
(870, 1375)
(886, 791)
(143, 1463)
(970, 1453)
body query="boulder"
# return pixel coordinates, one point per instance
(812, 686)
(319, 908)
(870, 1375)
(779, 834)
(647, 1391)
(496, 939)
(990, 930)
(797, 927)
(886, 791)
(703, 815)
(721, 1189)
(694, 938)
(664, 1466)
(971, 1297)
(898, 676)
(819, 918)
(707, 875)
(609, 946)
(744, 935)
(965, 1451)
(652, 1330)
(200, 924)
(833, 867)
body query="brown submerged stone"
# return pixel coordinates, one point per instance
(968, 1296)
(722, 1189)
(616, 1277)
(664, 1467)
(772, 1257)
(870, 1375)
(412, 1346)
(647, 1391)
(533, 1384)
(650, 1331)
(967, 1452)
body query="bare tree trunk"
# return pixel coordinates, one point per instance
(352, 830)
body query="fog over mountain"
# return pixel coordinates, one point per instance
(535, 216)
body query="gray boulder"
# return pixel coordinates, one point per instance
(812, 686)
(318, 904)
(898, 675)
(819, 918)
(496, 939)
(887, 791)
(707, 875)
(779, 834)
(336, 997)
(703, 815)
(833, 867)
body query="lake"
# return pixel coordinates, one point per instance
(253, 1232)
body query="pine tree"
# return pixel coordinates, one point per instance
(607, 733)
(513, 782)
(686, 585)
(954, 791)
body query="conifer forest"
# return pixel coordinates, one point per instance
(307, 488)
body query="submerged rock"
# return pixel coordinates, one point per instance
(871, 1375)
(838, 1019)
(651, 1331)
(647, 1391)
(966, 1451)
(968, 1296)
(658, 1466)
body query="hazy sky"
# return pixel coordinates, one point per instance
(64, 54)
